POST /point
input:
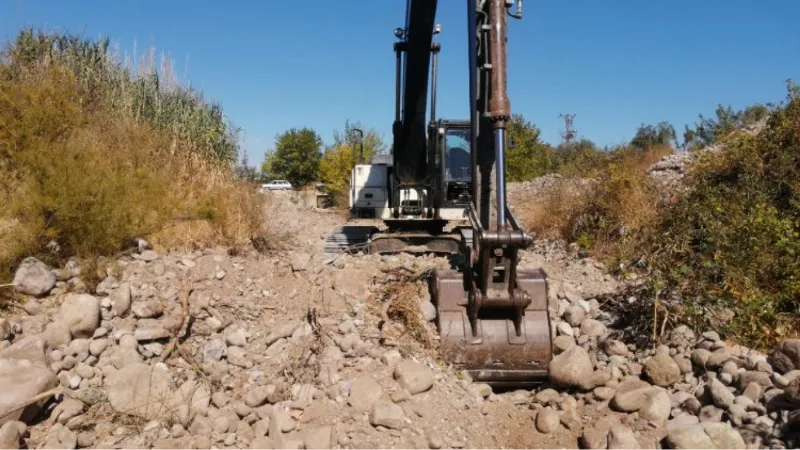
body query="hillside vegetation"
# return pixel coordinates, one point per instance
(94, 154)
(721, 251)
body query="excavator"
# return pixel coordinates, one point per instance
(444, 191)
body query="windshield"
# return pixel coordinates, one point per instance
(458, 163)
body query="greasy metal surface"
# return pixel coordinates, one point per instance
(496, 355)
(499, 105)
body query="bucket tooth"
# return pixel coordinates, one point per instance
(496, 354)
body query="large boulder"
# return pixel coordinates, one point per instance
(141, 390)
(33, 277)
(81, 312)
(572, 368)
(22, 381)
(787, 356)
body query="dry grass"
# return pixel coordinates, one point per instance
(93, 182)
(609, 215)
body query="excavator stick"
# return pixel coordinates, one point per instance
(493, 319)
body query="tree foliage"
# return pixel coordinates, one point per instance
(649, 136)
(339, 159)
(296, 157)
(708, 130)
(528, 157)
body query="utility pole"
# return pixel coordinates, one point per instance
(569, 132)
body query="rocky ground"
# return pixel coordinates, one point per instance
(208, 349)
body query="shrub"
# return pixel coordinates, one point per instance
(91, 178)
(733, 241)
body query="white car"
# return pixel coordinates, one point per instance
(276, 185)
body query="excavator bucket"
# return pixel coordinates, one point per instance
(496, 355)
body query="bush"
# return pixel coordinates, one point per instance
(76, 171)
(733, 242)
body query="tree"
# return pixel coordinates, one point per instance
(244, 171)
(527, 157)
(648, 136)
(296, 157)
(708, 130)
(339, 160)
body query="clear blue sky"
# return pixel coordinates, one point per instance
(276, 64)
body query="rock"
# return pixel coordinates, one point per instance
(574, 315)
(81, 313)
(281, 331)
(656, 406)
(593, 438)
(428, 311)
(300, 261)
(572, 368)
(413, 376)
(318, 438)
(364, 392)
(720, 394)
(214, 350)
(33, 277)
(387, 414)
(614, 347)
(121, 299)
(622, 437)
(150, 334)
(631, 395)
(690, 437)
(547, 421)
(237, 338)
(190, 400)
(32, 307)
(10, 435)
(57, 334)
(564, 329)
(258, 395)
(238, 357)
(435, 440)
(563, 343)
(61, 437)
(662, 370)
(593, 328)
(21, 381)
(148, 256)
(140, 390)
(753, 391)
(722, 435)
(147, 309)
(604, 393)
(66, 410)
(482, 390)
(391, 358)
(792, 391)
(786, 356)
(32, 349)
(97, 347)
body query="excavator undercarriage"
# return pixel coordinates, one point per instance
(493, 319)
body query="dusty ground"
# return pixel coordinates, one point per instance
(287, 350)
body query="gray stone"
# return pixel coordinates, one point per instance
(364, 392)
(574, 315)
(237, 337)
(257, 396)
(21, 381)
(387, 414)
(572, 368)
(604, 393)
(786, 356)
(689, 437)
(121, 299)
(413, 376)
(32, 349)
(33, 277)
(662, 370)
(722, 435)
(622, 437)
(614, 347)
(631, 395)
(214, 350)
(720, 394)
(593, 328)
(318, 438)
(140, 390)
(428, 311)
(547, 420)
(656, 406)
(10, 435)
(81, 313)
